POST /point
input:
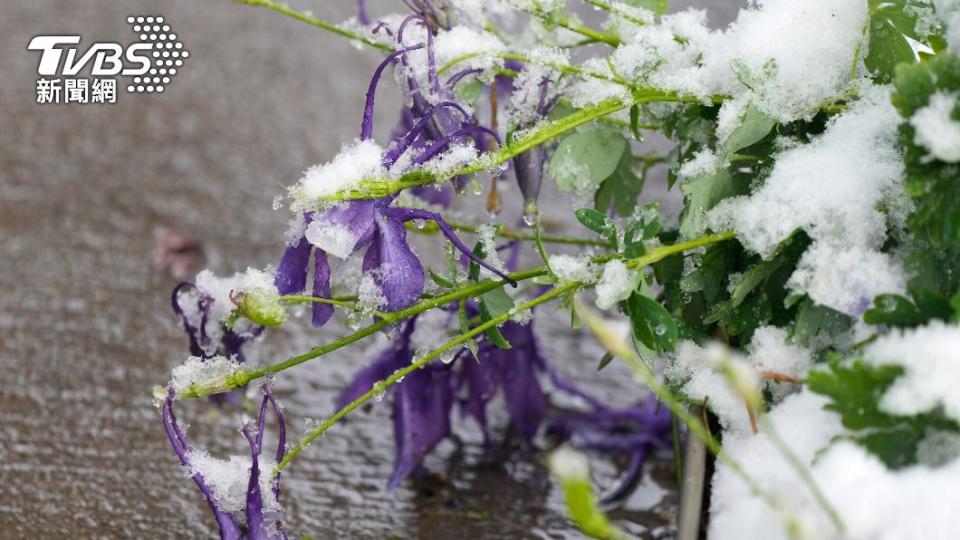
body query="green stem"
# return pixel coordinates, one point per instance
(418, 363)
(561, 20)
(616, 11)
(375, 189)
(243, 377)
(319, 23)
(303, 299)
(517, 235)
(564, 68)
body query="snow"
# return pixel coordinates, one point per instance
(616, 283)
(487, 236)
(334, 238)
(705, 161)
(369, 295)
(359, 160)
(525, 98)
(452, 160)
(569, 465)
(874, 503)
(203, 372)
(936, 130)
(833, 188)
(461, 40)
(228, 479)
(573, 268)
(930, 356)
(727, 379)
(788, 56)
(770, 351)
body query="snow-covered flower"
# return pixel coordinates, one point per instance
(245, 504)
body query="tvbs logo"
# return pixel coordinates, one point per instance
(150, 63)
(107, 58)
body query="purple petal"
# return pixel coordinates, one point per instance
(362, 12)
(396, 269)
(291, 275)
(229, 529)
(396, 356)
(321, 288)
(421, 418)
(366, 126)
(482, 380)
(407, 214)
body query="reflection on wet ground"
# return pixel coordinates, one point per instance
(86, 330)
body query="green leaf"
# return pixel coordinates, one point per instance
(894, 310)
(652, 323)
(598, 223)
(816, 324)
(469, 91)
(621, 189)
(754, 126)
(657, 6)
(585, 159)
(440, 280)
(892, 26)
(855, 391)
(702, 194)
(605, 361)
(492, 304)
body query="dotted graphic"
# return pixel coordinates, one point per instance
(166, 55)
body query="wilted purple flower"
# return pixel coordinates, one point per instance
(375, 224)
(255, 515)
(528, 166)
(421, 403)
(632, 431)
(202, 318)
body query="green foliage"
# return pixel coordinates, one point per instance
(645, 227)
(653, 326)
(491, 303)
(931, 183)
(598, 223)
(622, 188)
(855, 390)
(892, 27)
(582, 161)
(754, 126)
(817, 324)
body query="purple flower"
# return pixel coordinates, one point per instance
(255, 515)
(528, 166)
(375, 224)
(201, 315)
(632, 431)
(421, 403)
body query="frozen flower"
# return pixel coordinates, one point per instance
(243, 495)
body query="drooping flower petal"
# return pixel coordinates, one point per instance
(396, 269)
(421, 417)
(292, 271)
(524, 397)
(393, 358)
(321, 312)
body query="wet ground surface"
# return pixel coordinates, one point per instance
(85, 324)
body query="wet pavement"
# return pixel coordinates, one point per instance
(85, 324)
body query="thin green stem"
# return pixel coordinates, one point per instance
(619, 347)
(418, 363)
(616, 11)
(245, 376)
(563, 21)
(517, 235)
(564, 68)
(303, 299)
(377, 188)
(284, 9)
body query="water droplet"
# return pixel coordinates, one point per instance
(686, 297)
(660, 330)
(419, 223)
(380, 395)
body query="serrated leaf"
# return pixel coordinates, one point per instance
(588, 157)
(652, 323)
(892, 27)
(893, 310)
